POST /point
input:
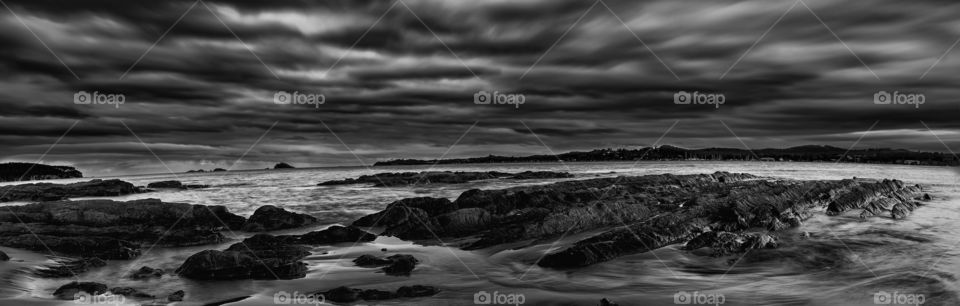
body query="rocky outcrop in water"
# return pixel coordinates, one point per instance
(270, 218)
(350, 295)
(175, 185)
(147, 272)
(259, 257)
(283, 166)
(69, 291)
(110, 229)
(722, 211)
(68, 267)
(29, 172)
(266, 256)
(56, 192)
(396, 265)
(442, 177)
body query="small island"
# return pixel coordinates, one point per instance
(31, 172)
(283, 166)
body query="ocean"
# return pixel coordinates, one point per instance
(827, 261)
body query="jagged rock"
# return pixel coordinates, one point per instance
(345, 294)
(111, 229)
(56, 192)
(397, 265)
(726, 243)
(259, 257)
(177, 296)
(269, 218)
(69, 291)
(66, 267)
(331, 235)
(4, 256)
(442, 177)
(131, 292)
(146, 272)
(637, 214)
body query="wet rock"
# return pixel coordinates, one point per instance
(4, 256)
(66, 267)
(111, 229)
(331, 235)
(55, 192)
(177, 296)
(259, 257)
(396, 265)
(147, 272)
(726, 243)
(638, 214)
(69, 291)
(270, 218)
(131, 292)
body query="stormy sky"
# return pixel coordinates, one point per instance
(399, 78)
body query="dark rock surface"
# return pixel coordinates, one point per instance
(147, 272)
(56, 192)
(442, 177)
(331, 235)
(259, 257)
(270, 218)
(131, 292)
(176, 296)
(4, 256)
(175, 185)
(658, 210)
(68, 291)
(29, 172)
(348, 295)
(110, 229)
(396, 265)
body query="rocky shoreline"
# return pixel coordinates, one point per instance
(724, 213)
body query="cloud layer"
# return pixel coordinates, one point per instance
(399, 78)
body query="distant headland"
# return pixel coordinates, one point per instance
(808, 153)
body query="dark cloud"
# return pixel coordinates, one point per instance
(399, 78)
